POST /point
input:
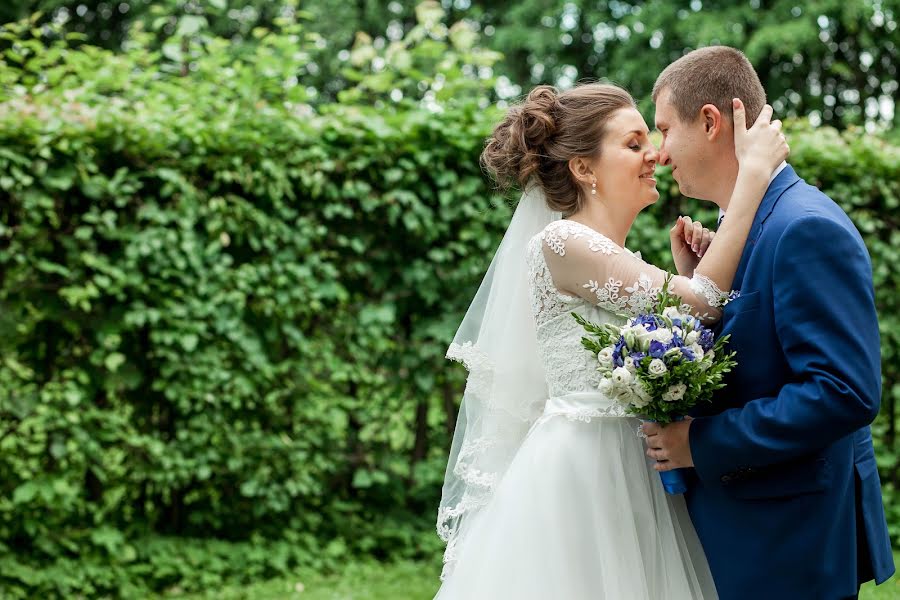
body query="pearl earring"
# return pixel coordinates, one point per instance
(593, 188)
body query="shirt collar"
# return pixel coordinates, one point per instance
(778, 170)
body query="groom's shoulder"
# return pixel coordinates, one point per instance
(807, 215)
(805, 199)
(806, 203)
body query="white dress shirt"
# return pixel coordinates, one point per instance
(778, 170)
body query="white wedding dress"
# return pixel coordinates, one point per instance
(580, 514)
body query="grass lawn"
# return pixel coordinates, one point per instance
(400, 581)
(889, 590)
(360, 581)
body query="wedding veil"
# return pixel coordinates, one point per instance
(506, 387)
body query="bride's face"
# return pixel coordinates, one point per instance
(627, 161)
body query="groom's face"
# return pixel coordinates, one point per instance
(684, 147)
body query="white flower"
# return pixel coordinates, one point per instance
(642, 337)
(605, 358)
(657, 368)
(692, 338)
(629, 365)
(675, 392)
(671, 312)
(662, 335)
(641, 397)
(678, 331)
(606, 385)
(672, 352)
(626, 397)
(638, 402)
(697, 350)
(621, 376)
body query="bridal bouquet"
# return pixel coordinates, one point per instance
(661, 363)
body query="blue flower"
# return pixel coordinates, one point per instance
(688, 354)
(637, 357)
(706, 340)
(618, 351)
(648, 321)
(657, 349)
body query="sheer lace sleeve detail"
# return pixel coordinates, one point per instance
(707, 288)
(585, 263)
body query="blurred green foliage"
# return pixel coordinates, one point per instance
(223, 310)
(835, 61)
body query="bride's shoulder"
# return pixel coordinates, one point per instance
(560, 234)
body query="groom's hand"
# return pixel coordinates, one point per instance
(669, 444)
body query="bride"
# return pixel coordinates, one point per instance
(548, 492)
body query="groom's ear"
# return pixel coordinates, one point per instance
(713, 123)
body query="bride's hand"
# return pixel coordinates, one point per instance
(689, 240)
(761, 148)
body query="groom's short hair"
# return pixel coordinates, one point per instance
(712, 75)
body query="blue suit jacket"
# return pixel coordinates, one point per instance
(785, 495)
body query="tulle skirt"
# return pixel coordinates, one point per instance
(580, 514)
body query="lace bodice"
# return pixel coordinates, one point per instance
(602, 281)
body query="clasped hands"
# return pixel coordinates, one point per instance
(669, 445)
(689, 241)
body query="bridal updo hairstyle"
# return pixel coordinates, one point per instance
(539, 137)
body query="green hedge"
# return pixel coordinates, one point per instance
(223, 313)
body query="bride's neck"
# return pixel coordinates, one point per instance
(599, 216)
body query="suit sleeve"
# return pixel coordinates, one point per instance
(827, 326)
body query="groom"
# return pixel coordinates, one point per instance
(784, 493)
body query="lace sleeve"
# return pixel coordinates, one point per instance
(583, 262)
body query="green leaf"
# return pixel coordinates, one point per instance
(25, 493)
(114, 360)
(189, 25)
(189, 342)
(362, 479)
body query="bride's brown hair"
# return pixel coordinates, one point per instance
(539, 137)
